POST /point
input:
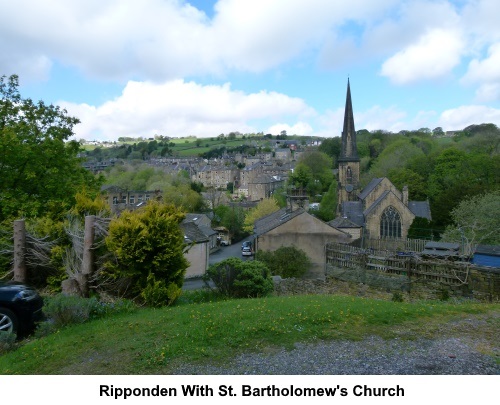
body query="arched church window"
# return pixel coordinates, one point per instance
(390, 223)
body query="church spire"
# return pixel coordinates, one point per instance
(349, 151)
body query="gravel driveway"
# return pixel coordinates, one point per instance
(459, 349)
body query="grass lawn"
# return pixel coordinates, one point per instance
(153, 341)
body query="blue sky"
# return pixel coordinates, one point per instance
(206, 67)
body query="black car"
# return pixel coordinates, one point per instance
(20, 308)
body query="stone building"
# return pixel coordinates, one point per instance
(379, 209)
(300, 229)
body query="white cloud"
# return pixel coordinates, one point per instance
(179, 108)
(463, 116)
(486, 73)
(433, 56)
(389, 119)
(299, 128)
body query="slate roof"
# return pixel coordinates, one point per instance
(353, 211)
(274, 220)
(369, 188)
(342, 222)
(420, 209)
(192, 233)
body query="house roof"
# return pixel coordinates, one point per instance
(192, 233)
(420, 209)
(274, 220)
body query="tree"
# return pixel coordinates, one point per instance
(328, 205)
(40, 171)
(265, 207)
(476, 220)
(241, 279)
(148, 246)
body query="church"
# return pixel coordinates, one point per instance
(378, 210)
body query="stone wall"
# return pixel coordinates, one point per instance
(483, 285)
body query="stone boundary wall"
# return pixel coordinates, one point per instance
(482, 285)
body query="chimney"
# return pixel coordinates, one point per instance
(405, 195)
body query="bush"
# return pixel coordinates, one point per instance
(148, 243)
(241, 279)
(287, 261)
(7, 342)
(158, 294)
(62, 310)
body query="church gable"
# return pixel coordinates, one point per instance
(380, 216)
(375, 189)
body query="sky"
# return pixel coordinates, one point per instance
(205, 67)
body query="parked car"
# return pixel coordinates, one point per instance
(246, 251)
(20, 308)
(246, 244)
(224, 242)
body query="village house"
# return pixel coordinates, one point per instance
(119, 199)
(300, 229)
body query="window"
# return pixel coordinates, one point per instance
(115, 200)
(349, 175)
(131, 199)
(390, 224)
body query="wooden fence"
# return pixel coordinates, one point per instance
(402, 263)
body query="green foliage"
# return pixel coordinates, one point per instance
(421, 228)
(7, 342)
(232, 218)
(397, 297)
(476, 220)
(265, 207)
(328, 206)
(241, 279)
(148, 242)
(287, 261)
(157, 294)
(40, 169)
(64, 310)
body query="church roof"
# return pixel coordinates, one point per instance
(420, 209)
(343, 222)
(370, 187)
(353, 211)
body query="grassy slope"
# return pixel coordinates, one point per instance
(152, 341)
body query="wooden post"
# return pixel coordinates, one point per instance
(20, 273)
(88, 255)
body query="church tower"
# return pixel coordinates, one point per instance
(348, 176)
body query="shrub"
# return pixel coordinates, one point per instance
(62, 310)
(241, 279)
(7, 342)
(148, 242)
(157, 293)
(287, 261)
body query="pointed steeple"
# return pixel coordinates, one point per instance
(349, 152)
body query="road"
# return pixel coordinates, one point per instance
(223, 253)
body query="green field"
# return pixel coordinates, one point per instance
(154, 341)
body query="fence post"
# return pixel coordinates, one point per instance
(88, 255)
(19, 251)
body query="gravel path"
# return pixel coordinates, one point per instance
(459, 350)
